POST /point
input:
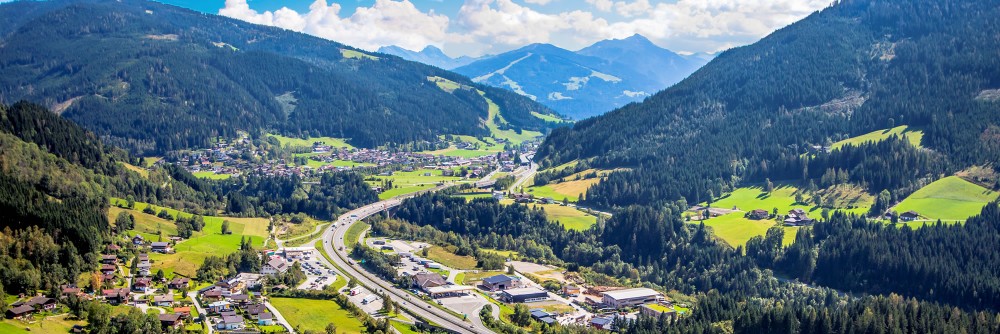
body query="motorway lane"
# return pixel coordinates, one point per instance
(333, 241)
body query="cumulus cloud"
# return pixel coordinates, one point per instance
(387, 22)
(490, 26)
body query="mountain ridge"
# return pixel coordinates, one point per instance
(164, 67)
(587, 82)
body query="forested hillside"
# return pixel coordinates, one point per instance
(153, 78)
(756, 111)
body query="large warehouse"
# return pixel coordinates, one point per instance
(524, 295)
(630, 297)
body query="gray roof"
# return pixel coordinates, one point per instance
(232, 319)
(498, 279)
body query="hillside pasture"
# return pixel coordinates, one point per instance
(315, 314)
(912, 135)
(951, 198)
(308, 142)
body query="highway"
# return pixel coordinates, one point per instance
(335, 245)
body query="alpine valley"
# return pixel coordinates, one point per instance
(167, 170)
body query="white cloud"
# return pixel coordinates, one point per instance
(387, 22)
(491, 26)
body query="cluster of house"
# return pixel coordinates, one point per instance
(25, 309)
(239, 156)
(162, 247)
(797, 217)
(230, 304)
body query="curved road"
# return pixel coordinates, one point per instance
(333, 241)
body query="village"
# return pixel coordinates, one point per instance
(240, 156)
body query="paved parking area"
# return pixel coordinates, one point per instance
(318, 275)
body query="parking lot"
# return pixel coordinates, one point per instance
(318, 275)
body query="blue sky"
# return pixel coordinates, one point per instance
(477, 27)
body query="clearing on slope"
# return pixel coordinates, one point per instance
(912, 135)
(950, 198)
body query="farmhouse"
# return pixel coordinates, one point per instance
(161, 247)
(41, 302)
(501, 282)
(107, 269)
(20, 312)
(524, 295)
(758, 214)
(797, 217)
(629, 297)
(909, 216)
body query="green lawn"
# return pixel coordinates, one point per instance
(950, 198)
(308, 142)
(444, 84)
(912, 135)
(314, 314)
(471, 277)
(510, 135)
(54, 325)
(207, 174)
(547, 118)
(783, 198)
(570, 218)
(403, 328)
(447, 258)
(353, 233)
(736, 230)
(352, 54)
(190, 253)
(410, 182)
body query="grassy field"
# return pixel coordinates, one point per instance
(190, 253)
(137, 169)
(409, 182)
(54, 325)
(207, 174)
(308, 142)
(510, 135)
(547, 118)
(950, 198)
(403, 191)
(352, 234)
(736, 230)
(570, 218)
(783, 198)
(471, 277)
(505, 253)
(447, 258)
(352, 54)
(314, 314)
(570, 190)
(912, 135)
(444, 84)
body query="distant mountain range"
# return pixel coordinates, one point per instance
(137, 73)
(430, 55)
(588, 82)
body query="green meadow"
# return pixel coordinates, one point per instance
(912, 135)
(315, 314)
(190, 253)
(951, 198)
(308, 142)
